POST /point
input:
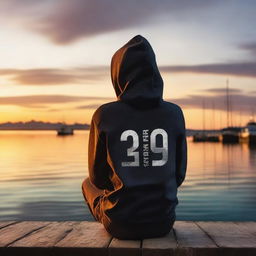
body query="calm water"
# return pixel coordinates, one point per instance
(41, 176)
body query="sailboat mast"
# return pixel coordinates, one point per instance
(204, 116)
(213, 115)
(230, 109)
(227, 101)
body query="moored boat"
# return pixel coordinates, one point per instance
(231, 134)
(213, 137)
(199, 137)
(206, 137)
(252, 132)
(65, 130)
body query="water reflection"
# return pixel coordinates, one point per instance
(252, 155)
(41, 175)
(221, 184)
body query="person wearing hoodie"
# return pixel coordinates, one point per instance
(137, 150)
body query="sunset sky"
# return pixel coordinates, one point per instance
(55, 56)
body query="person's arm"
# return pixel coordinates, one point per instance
(99, 169)
(181, 153)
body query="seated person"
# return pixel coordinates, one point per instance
(137, 150)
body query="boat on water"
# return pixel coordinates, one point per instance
(235, 134)
(199, 137)
(65, 130)
(213, 137)
(230, 134)
(206, 137)
(252, 132)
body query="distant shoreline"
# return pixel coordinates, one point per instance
(48, 126)
(17, 129)
(40, 125)
(189, 132)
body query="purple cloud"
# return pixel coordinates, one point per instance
(238, 101)
(94, 74)
(223, 90)
(65, 21)
(243, 69)
(250, 47)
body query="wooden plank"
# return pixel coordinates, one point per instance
(193, 241)
(249, 226)
(86, 238)
(6, 223)
(14, 232)
(46, 237)
(40, 242)
(228, 234)
(119, 247)
(160, 246)
(190, 235)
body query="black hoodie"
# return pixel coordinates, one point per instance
(137, 148)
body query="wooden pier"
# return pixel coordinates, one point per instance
(90, 238)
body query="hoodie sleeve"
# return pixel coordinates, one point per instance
(99, 169)
(181, 153)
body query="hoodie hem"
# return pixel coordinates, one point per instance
(137, 231)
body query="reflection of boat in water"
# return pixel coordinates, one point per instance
(252, 132)
(65, 130)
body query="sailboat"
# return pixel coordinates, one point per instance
(230, 134)
(213, 136)
(201, 136)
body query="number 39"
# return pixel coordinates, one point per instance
(131, 151)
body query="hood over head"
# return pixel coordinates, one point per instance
(135, 75)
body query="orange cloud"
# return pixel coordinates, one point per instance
(49, 76)
(34, 100)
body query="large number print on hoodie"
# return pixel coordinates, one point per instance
(131, 151)
(137, 144)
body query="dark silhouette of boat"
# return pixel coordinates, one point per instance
(199, 137)
(235, 134)
(213, 137)
(206, 137)
(230, 134)
(65, 130)
(252, 132)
